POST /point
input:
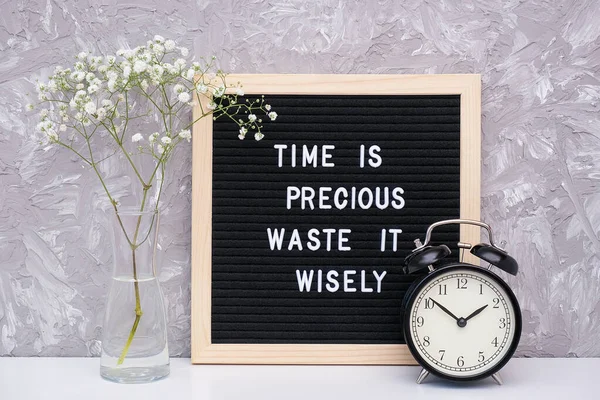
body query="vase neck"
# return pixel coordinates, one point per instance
(134, 244)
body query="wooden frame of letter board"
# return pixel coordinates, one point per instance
(203, 350)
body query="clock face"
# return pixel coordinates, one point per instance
(462, 322)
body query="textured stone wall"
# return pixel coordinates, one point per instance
(539, 62)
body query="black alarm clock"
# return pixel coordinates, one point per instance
(462, 322)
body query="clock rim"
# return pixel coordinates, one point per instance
(413, 294)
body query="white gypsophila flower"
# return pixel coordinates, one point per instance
(112, 75)
(62, 128)
(102, 69)
(101, 113)
(126, 71)
(78, 76)
(158, 49)
(111, 60)
(179, 64)
(171, 69)
(258, 136)
(212, 105)
(272, 115)
(189, 75)
(52, 134)
(137, 137)
(79, 66)
(184, 97)
(90, 76)
(219, 91)
(268, 107)
(184, 51)
(159, 39)
(129, 53)
(159, 70)
(251, 117)
(185, 134)
(178, 88)
(243, 130)
(144, 84)
(160, 149)
(139, 66)
(90, 107)
(92, 89)
(82, 56)
(44, 113)
(152, 137)
(201, 88)
(166, 140)
(79, 86)
(52, 86)
(107, 103)
(239, 91)
(169, 45)
(241, 137)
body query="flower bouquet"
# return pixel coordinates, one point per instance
(136, 106)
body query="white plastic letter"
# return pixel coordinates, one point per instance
(280, 148)
(276, 238)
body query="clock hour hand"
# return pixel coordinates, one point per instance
(444, 309)
(474, 313)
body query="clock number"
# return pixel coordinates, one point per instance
(495, 341)
(460, 361)
(461, 283)
(428, 304)
(442, 290)
(426, 341)
(442, 352)
(420, 321)
(481, 357)
(496, 302)
(502, 323)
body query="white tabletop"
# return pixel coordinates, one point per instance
(79, 379)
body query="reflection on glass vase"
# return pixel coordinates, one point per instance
(134, 334)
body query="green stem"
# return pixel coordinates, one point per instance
(136, 285)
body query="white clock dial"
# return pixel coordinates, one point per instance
(462, 323)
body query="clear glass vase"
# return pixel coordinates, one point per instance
(134, 334)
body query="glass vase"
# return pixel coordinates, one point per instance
(134, 334)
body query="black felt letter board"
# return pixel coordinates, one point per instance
(256, 293)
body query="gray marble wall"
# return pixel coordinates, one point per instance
(539, 61)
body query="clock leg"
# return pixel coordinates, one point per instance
(496, 377)
(422, 376)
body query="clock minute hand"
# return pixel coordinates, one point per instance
(444, 309)
(474, 313)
